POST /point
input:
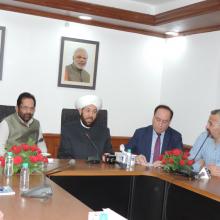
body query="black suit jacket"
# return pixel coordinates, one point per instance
(76, 144)
(141, 141)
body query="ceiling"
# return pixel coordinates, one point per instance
(148, 17)
(154, 2)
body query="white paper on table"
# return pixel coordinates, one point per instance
(110, 213)
(149, 165)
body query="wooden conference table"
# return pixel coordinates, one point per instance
(138, 194)
(141, 193)
(61, 205)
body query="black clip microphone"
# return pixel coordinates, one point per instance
(201, 146)
(93, 159)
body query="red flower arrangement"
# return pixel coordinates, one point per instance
(25, 153)
(176, 160)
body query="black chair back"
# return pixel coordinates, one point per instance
(6, 110)
(69, 115)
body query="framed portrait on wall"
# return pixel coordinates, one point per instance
(78, 63)
(2, 43)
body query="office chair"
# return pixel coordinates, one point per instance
(69, 115)
(6, 110)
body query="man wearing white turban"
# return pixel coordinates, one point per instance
(85, 138)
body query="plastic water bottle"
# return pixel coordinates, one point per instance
(128, 160)
(8, 170)
(24, 177)
(123, 157)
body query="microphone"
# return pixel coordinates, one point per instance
(204, 174)
(45, 190)
(201, 146)
(187, 173)
(93, 159)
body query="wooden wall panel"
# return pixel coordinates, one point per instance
(53, 143)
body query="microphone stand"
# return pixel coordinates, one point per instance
(201, 146)
(93, 159)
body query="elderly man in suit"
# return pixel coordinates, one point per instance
(149, 142)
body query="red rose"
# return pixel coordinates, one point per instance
(25, 147)
(38, 150)
(33, 159)
(15, 149)
(168, 152)
(2, 160)
(190, 162)
(18, 160)
(176, 152)
(182, 162)
(164, 161)
(34, 148)
(171, 160)
(187, 153)
(185, 156)
(45, 160)
(40, 157)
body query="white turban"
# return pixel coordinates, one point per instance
(88, 100)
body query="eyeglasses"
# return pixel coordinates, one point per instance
(213, 124)
(159, 120)
(26, 108)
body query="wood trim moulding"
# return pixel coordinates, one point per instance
(94, 9)
(53, 143)
(118, 14)
(77, 20)
(126, 15)
(193, 10)
(200, 30)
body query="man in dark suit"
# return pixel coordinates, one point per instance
(149, 142)
(85, 138)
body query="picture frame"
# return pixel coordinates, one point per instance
(2, 45)
(78, 63)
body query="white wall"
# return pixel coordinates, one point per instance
(128, 78)
(135, 73)
(191, 81)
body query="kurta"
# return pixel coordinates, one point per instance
(77, 75)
